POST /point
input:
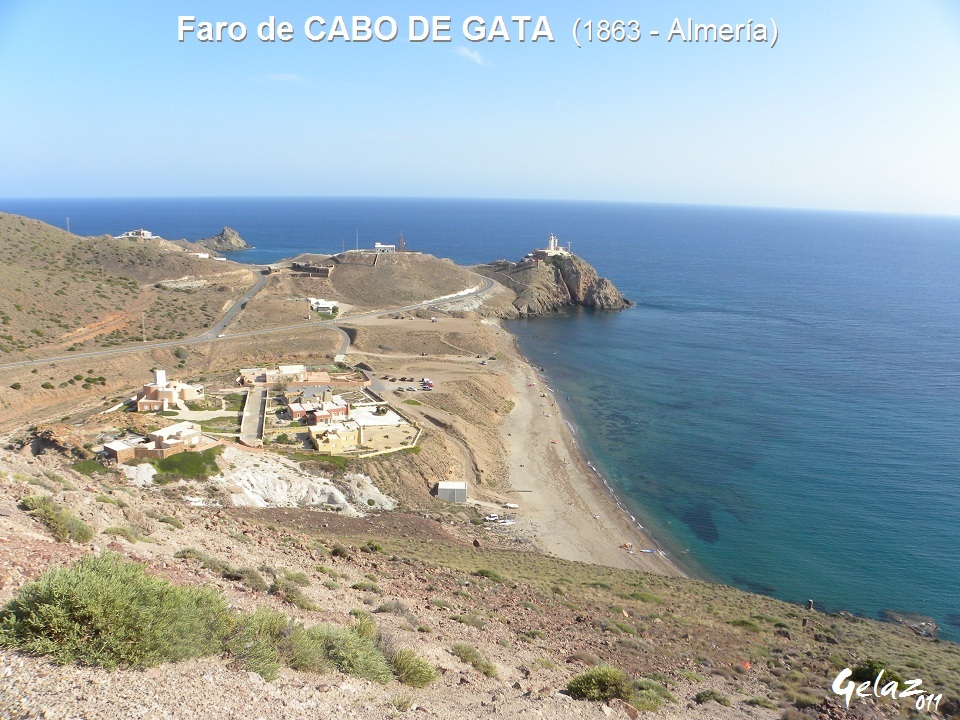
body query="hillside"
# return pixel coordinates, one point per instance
(65, 292)
(537, 621)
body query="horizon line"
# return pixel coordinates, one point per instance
(450, 198)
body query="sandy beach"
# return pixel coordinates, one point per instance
(564, 507)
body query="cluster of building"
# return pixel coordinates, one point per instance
(553, 249)
(138, 234)
(312, 269)
(158, 444)
(162, 393)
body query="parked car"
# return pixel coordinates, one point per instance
(493, 517)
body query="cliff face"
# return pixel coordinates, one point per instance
(551, 285)
(228, 240)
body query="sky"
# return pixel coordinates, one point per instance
(856, 107)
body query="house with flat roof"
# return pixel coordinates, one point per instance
(162, 393)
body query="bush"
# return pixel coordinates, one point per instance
(292, 594)
(705, 696)
(411, 669)
(340, 551)
(489, 574)
(868, 671)
(471, 620)
(188, 465)
(62, 523)
(601, 683)
(207, 561)
(249, 577)
(253, 640)
(350, 653)
(471, 656)
(107, 611)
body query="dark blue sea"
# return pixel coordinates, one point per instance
(782, 407)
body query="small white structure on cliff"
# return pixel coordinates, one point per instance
(552, 249)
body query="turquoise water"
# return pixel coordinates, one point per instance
(782, 406)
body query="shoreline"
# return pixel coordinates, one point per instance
(573, 512)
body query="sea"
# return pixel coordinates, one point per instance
(781, 409)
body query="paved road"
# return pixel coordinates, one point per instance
(232, 313)
(251, 429)
(211, 334)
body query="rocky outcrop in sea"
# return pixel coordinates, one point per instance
(555, 283)
(228, 240)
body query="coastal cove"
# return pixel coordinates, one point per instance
(779, 410)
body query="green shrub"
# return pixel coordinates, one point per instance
(411, 669)
(62, 523)
(367, 587)
(107, 611)
(188, 465)
(207, 561)
(489, 574)
(350, 653)
(600, 683)
(868, 671)
(364, 625)
(471, 656)
(340, 551)
(107, 499)
(296, 577)
(249, 577)
(292, 594)
(705, 696)
(254, 638)
(471, 620)
(128, 533)
(745, 624)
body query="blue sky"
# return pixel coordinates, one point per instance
(857, 107)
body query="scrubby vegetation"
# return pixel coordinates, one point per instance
(62, 523)
(472, 656)
(107, 611)
(187, 466)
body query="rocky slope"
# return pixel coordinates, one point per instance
(551, 285)
(228, 240)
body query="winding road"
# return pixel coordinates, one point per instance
(212, 335)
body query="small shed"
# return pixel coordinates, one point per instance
(119, 450)
(455, 492)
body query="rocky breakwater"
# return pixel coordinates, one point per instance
(552, 284)
(228, 240)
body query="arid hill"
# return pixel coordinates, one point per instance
(65, 292)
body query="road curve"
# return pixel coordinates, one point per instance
(211, 335)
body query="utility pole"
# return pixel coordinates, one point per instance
(68, 223)
(143, 324)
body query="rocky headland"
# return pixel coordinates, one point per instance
(555, 283)
(228, 240)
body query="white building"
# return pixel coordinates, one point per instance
(553, 248)
(381, 248)
(327, 307)
(139, 234)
